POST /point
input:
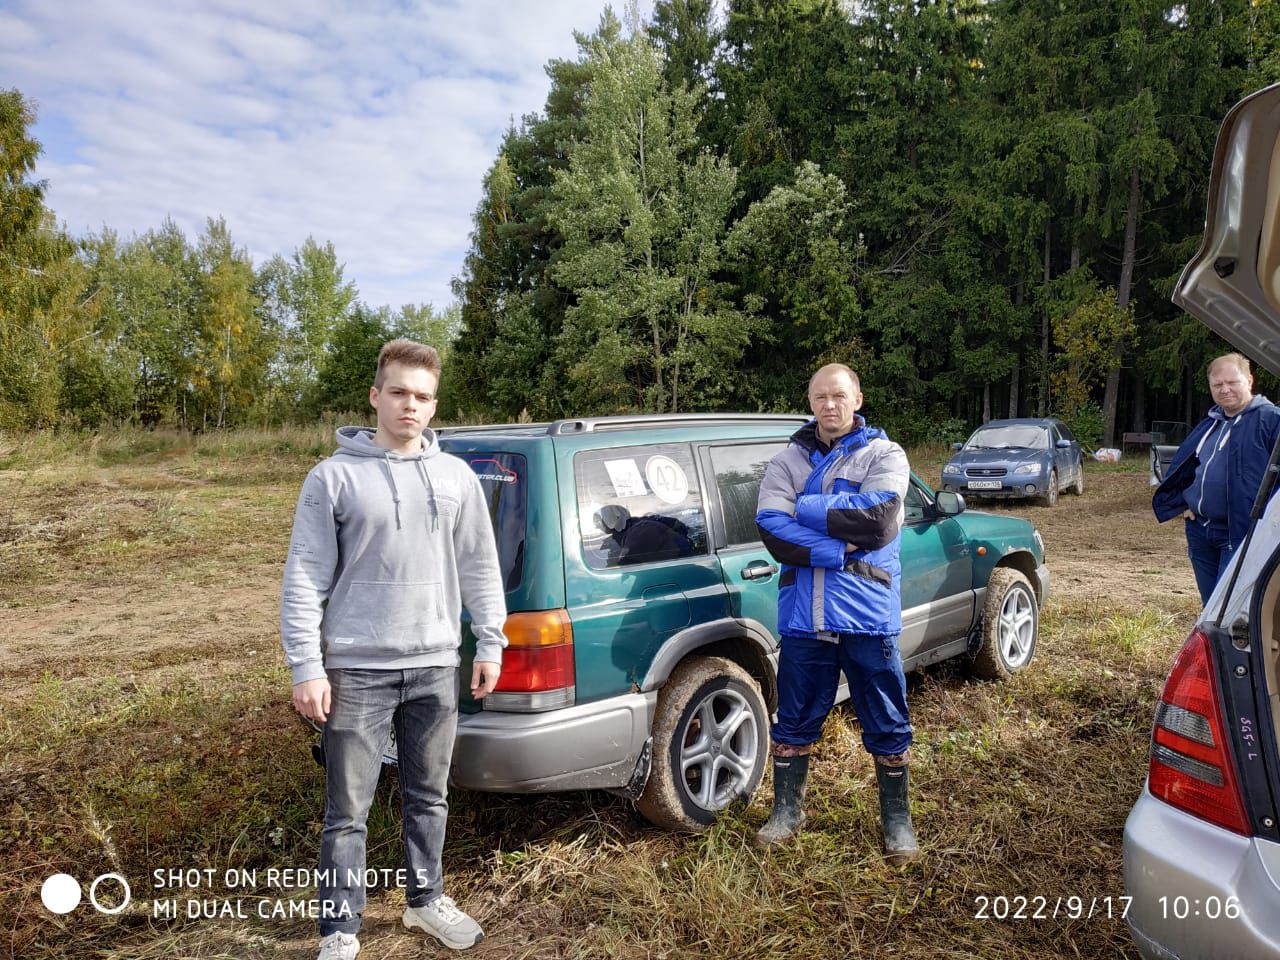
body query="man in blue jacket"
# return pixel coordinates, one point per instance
(1214, 476)
(830, 512)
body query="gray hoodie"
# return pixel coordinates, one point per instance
(387, 548)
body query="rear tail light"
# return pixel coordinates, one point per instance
(537, 666)
(1191, 765)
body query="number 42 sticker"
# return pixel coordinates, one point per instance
(667, 479)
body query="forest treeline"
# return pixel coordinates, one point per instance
(982, 206)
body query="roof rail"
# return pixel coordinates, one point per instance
(576, 425)
(622, 422)
(492, 427)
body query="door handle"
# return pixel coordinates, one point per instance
(759, 570)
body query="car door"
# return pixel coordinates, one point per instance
(1075, 459)
(937, 580)
(750, 573)
(1063, 459)
(637, 564)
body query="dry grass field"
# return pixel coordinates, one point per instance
(145, 726)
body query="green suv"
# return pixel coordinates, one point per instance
(643, 606)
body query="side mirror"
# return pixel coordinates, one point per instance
(957, 446)
(1063, 444)
(949, 504)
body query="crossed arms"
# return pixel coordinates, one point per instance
(820, 530)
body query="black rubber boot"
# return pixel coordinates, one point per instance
(895, 815)
(789, 776)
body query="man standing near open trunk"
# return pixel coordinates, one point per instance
(1215, 474)
(391, 539)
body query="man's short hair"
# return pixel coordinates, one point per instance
(834, 368)
(408, 353)
(1239, 361)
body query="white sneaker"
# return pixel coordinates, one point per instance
(338, 946)
(442, 919)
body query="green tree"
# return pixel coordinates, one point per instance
(231, 350)
(1257, 23)
(1211, 49)
(351, 358)
(302, 299)
(687, 37)
(99, 368)
(642, 212)
(424, 323)
(1089, 337)
(798, 260)
(1142, 159)
(40, 282)
(905, 151)
(787, 88)
(1039, 150)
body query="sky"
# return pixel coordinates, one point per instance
(368, 124)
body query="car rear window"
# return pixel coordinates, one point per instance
(639, 505)
(503, 478)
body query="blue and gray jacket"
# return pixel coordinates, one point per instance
(1247, 438)
(812, 507)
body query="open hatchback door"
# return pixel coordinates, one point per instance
(1232, 285)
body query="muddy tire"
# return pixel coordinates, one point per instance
(1051, 492)
(1010, 625)
(710, 744)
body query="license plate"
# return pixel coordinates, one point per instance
(984, 484)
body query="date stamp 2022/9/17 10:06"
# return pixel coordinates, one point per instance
(1076, 907)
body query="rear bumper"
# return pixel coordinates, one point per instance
(1180, 872)
(584, 747)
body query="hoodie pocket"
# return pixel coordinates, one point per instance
(391, 617)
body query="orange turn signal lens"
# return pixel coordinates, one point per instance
(538, 628)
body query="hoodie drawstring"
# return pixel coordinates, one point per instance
(395, 494)
(431, 494)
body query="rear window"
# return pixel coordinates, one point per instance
(504, 479)
(639, 505)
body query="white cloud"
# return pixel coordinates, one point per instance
(368, 124)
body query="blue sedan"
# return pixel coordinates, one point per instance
(1025, 458)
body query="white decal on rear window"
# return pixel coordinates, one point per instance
(667, 479)
(626, 479)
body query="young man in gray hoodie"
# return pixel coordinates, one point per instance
(391, 539)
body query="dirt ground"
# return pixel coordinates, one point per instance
(159, 574)
(1107, 545)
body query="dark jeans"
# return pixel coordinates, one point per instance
(422, 704)
(809, 672)
(1209, 549)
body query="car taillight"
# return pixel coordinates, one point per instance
(1191, 766)
(537, 666)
